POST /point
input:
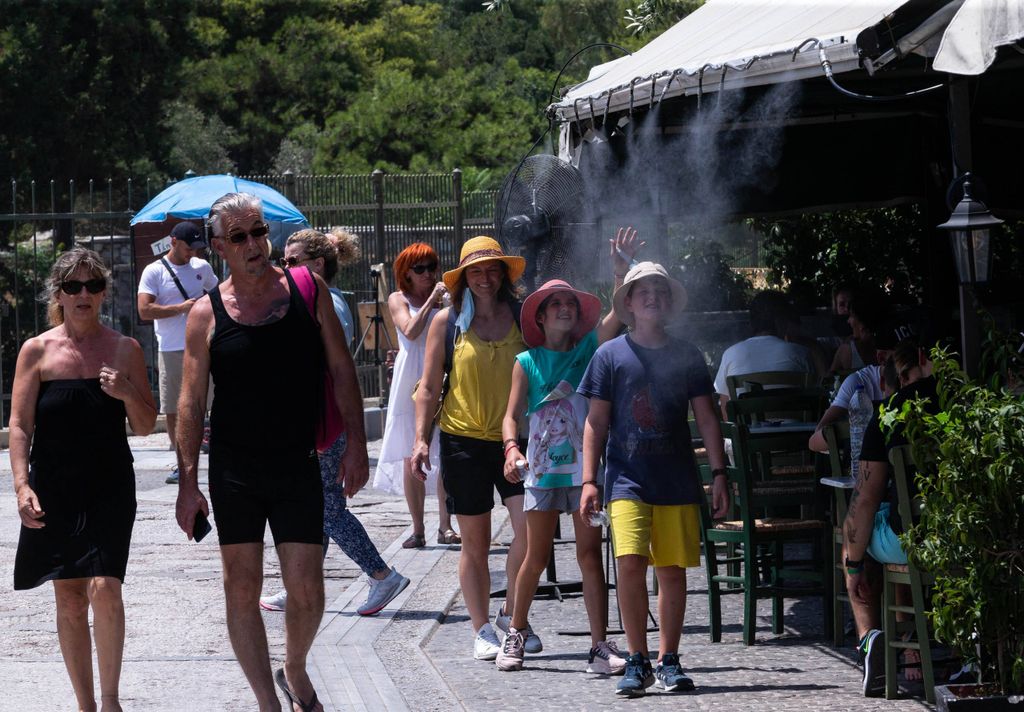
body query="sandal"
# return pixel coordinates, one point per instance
(292, 698)
(448, 536)
(415, 541)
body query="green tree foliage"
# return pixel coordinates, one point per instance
(93, 88)
(876, 248)
(83, 84)
(711, 285)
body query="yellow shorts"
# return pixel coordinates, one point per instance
(669, 535)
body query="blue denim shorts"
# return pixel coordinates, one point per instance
(885, 547)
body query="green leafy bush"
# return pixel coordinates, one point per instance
(970, 475)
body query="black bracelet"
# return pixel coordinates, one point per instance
(854, 567)
(589, 482)
(718, 471)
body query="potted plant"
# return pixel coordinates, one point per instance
(971, 533)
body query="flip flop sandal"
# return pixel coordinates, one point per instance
(448, 536)
(292, 698)
(415, 541)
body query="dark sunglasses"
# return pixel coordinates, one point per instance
(420, 269)
(237, 238)
(74, 286)
(291, 261)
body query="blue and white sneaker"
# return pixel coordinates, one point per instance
(637, 678)
(872, 654)
(669, 675)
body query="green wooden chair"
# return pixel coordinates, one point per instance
(757, 536)
(767, 381)
(837, 435)
(917, 581)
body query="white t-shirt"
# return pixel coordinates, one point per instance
(196, 277)
(870, 377)
(759, 354)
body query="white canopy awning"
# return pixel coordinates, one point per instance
(733, 43)
(980, 26)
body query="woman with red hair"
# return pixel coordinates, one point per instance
(412, 307)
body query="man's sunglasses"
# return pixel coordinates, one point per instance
(290, 261)
(420, 269)
(237, 238)
(74, 286)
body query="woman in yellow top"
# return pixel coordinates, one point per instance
(472, 457)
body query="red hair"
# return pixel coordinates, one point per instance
(415, 253)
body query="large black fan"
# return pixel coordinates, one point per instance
(534, 214)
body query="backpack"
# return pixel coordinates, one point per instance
(330, 425)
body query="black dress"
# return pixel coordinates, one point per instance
(81, 470)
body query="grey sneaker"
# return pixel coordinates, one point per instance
(172, 479)
(872, 651)
(382, 592)
(486, 646)
(275, 602)
(502, 622)
(511, 656)
(533, 644)
(670, 676)
(637, 677)
(605, 659)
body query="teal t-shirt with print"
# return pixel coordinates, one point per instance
(557, 413)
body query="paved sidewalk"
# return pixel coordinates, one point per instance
(415, 655)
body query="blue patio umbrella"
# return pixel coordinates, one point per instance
(191, 198)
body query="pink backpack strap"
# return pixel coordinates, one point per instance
(307, 287)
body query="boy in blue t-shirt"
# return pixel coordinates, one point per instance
(641, 386)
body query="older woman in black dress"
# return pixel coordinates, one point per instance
(73, 387)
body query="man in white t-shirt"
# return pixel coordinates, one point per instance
(765, 350)
(168, 289)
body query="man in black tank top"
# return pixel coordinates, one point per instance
(252, 328)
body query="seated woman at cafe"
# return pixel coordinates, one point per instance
(867, 311)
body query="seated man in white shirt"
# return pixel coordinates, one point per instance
(765, 350)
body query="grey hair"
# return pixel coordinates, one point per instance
(65, 266)
(231, 203)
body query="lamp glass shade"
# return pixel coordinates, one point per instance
(972, 251)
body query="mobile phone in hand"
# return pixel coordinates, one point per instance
(201, 527)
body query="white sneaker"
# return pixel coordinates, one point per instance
(486, 645)
(605, 659)
(275, 602)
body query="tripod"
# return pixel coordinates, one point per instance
(379, 327)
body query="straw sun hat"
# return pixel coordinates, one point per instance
(646, 269)
(481, 249)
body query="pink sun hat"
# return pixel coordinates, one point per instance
(590, 312)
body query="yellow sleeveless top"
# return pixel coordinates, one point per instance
(478, 385)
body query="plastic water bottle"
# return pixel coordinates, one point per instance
(860, 416)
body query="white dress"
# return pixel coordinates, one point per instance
(400, 428)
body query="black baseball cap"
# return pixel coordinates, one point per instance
(189, 233)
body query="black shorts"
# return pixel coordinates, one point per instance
(471, 470)
(248, 490)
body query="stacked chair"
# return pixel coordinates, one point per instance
(752, 540)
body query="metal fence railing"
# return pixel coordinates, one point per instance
(388, 212)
